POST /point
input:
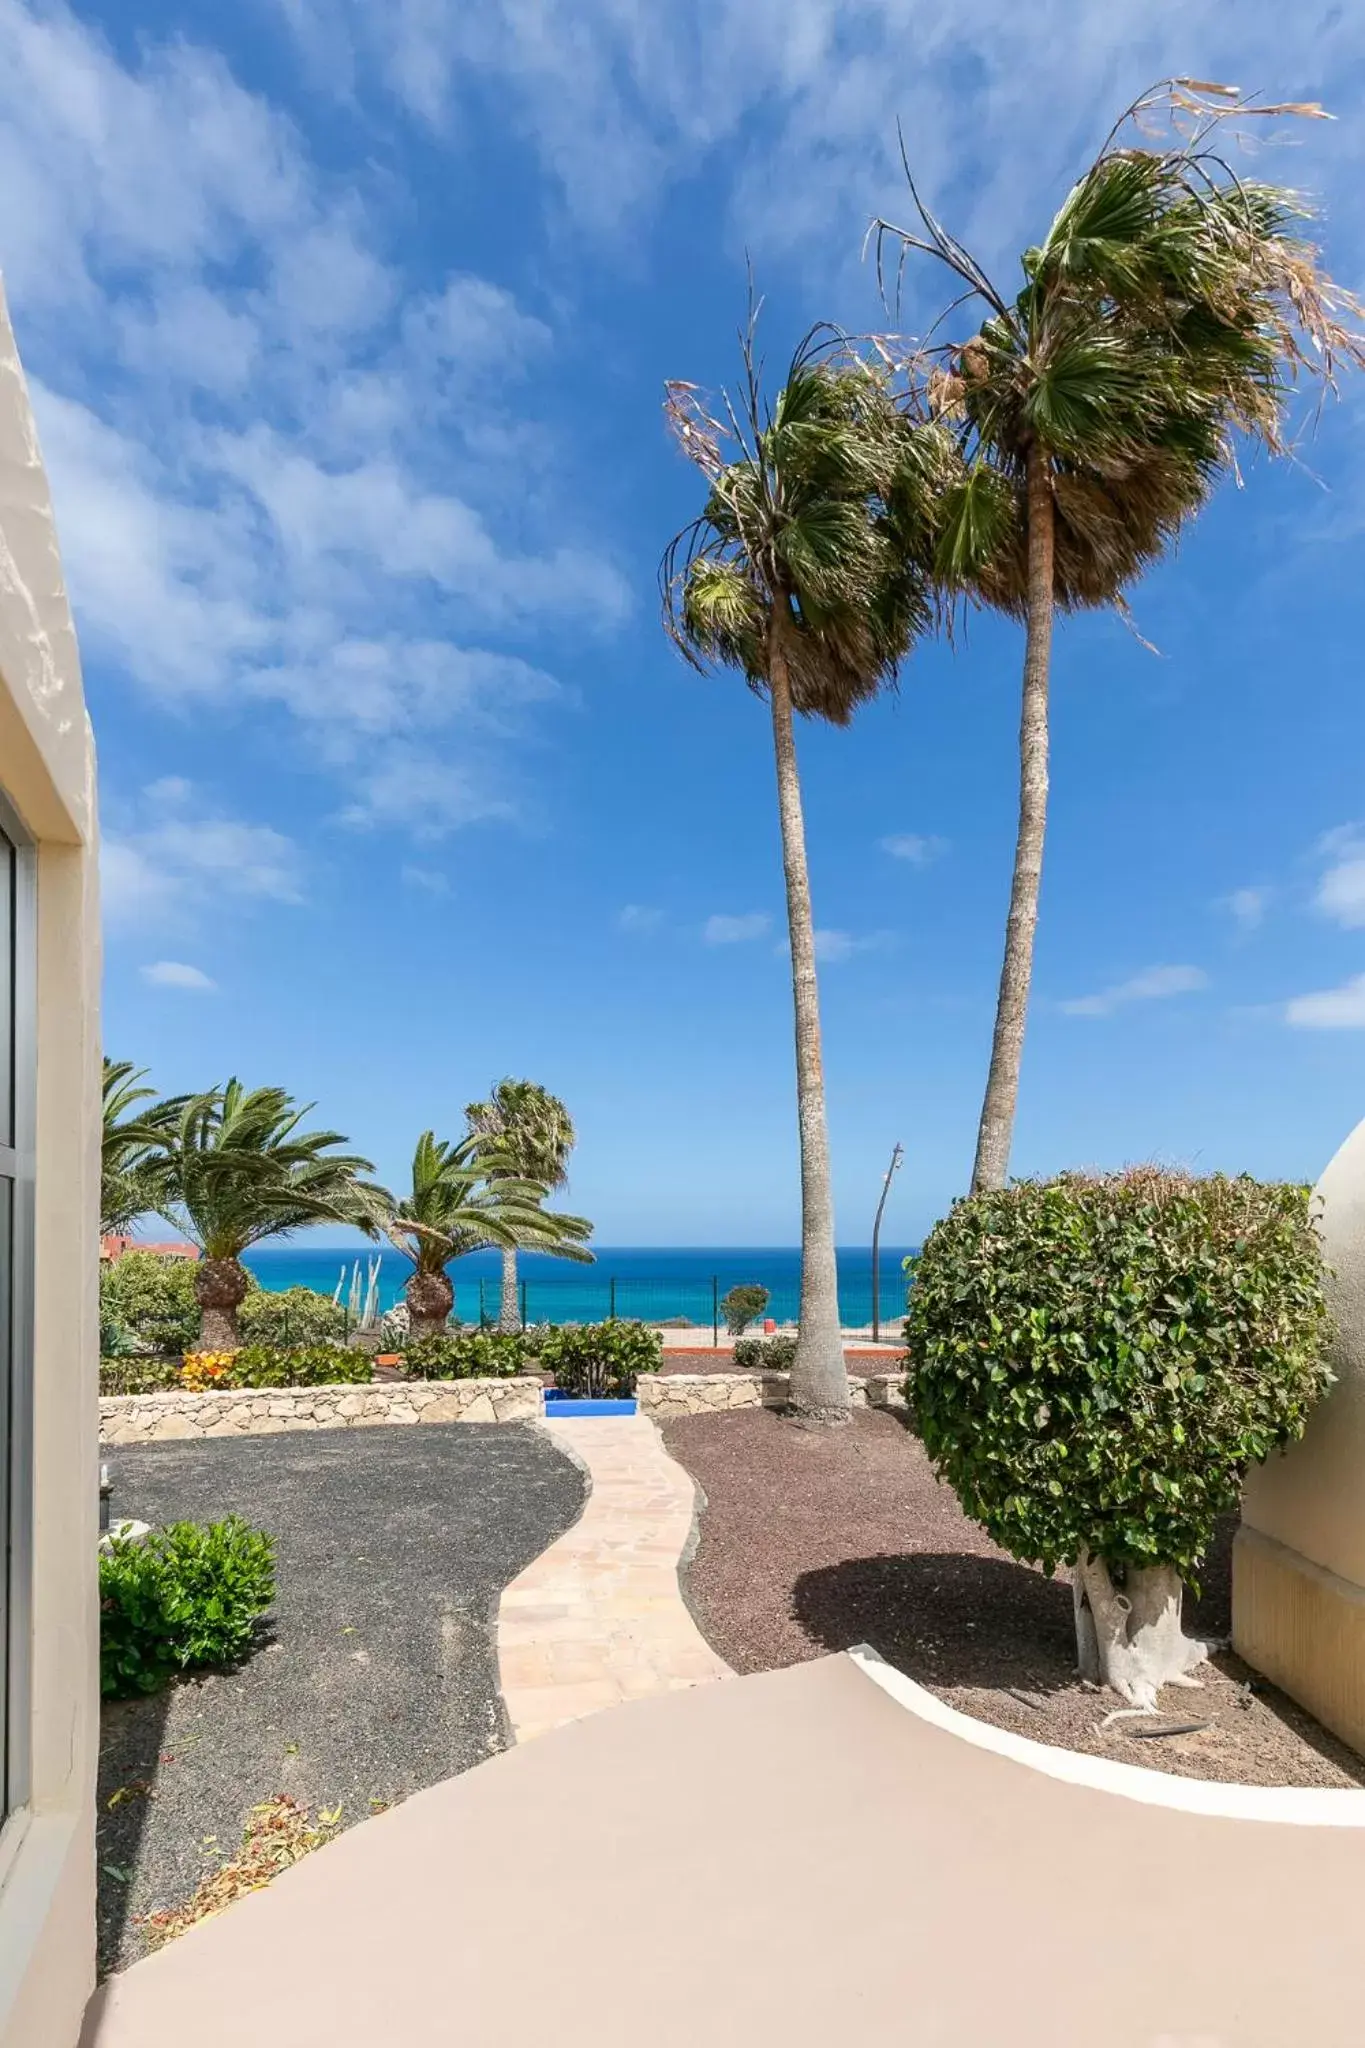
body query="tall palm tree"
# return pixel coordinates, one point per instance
(466, 1196)
(132, 1166)
(239, 1169)
(805, 572)
(1166, 313)
(536, 1132)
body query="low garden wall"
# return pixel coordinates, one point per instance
(707, 1393)
(158, 1418)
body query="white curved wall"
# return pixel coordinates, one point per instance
(1299, 1562)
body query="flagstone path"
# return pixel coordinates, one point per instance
(599, 1617)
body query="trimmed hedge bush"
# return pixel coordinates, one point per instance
(742, 1306)
(185, 1597)
(292, 1318)
(1095, 1362)
(765, 1354)
(473, 1355)
(600, 1358)
(301, 1365)
(140, 1374)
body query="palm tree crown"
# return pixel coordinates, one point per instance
(467, 1195)
(241, 1170)
(132, 1163)
(531, 1126)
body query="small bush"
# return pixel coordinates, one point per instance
(765, 1354)
(742, 1306)
(601, 1358)
(1096, 1362)
(152, 1299)
(473, 1355)
(292, 1318)
(183, 1598)
(140, 1374)
(300, 1365)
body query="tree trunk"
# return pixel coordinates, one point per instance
(1131, 1639)
(819, 1382)
(430, 1298)
(509, 1315)
(1011, 1009)
(220, 1288)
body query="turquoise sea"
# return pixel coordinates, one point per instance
(655, 1284)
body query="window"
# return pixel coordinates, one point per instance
(17, 1077)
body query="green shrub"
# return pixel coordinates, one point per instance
(765, 1354)
(1096, 1362)
(601, 1358)
(300, 1365)
(185, 1597)
(152, 1299)
(473, 1355)
(139, 1373)
(295, 1316)
(742, 1306)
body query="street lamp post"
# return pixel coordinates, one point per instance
(897, 1154)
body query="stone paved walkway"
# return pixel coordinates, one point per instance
(599, 1617)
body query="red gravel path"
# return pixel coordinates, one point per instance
(814, 1540)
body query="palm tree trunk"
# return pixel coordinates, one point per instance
(1011, 1010)
(220, 1288)
(509, 1315)
(819, 1382)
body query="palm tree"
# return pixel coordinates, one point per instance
(239, 1169)
(1166, 312)
(806, 573)
(536, 1132)
(132, 1167)
(466, 1196)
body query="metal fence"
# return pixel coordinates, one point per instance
(681, 1304)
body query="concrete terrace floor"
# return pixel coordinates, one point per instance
(795, 1858)
(379, 1673)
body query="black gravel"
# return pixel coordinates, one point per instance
(376, 1672)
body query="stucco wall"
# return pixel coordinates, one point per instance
(47, 1860)
(1299, 1561)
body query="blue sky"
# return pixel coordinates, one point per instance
(347, 327)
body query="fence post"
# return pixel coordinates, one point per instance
(715, 1312)
(523, 1304)
(481, 1308)
(611, 1299)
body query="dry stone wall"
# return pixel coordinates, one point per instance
(159, 1418)
(708, 1393)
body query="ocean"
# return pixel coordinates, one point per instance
(654, 1284)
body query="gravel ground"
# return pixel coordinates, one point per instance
(811, 1542)
(377, 1672)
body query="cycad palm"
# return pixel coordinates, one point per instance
(466, 1196)
(806, 573)
(1165, 314)
(534, 1128)
(132, 1165)
(239, 1169)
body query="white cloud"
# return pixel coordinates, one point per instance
(262, 438)
(736, 931)
(429, 880)
(1341, 889)
(1330, 1009)
(1154, 984)
(915, 847)
(836, 945)
(639, 917)
(176, 974)
(177, 858)
(1247, 907)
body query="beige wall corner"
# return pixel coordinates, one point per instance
(47, 777)
(1299, 1564)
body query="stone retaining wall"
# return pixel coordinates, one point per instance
(707, 1393)
(157, 1418)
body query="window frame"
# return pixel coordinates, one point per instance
(17, 1165)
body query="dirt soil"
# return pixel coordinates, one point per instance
(812, 1541)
